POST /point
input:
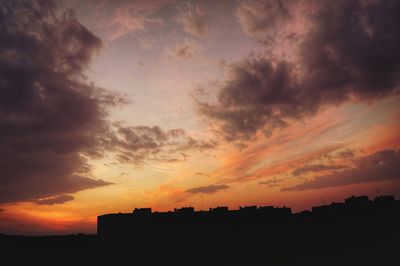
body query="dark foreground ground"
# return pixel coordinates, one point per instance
(356, 243)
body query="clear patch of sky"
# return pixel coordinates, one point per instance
(159, 84)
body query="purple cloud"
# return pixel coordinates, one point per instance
(52, 119)
(348, 52)
(316, 168)
(61, 199)
(211, 189)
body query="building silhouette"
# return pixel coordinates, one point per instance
(145, 222)
(358, 231)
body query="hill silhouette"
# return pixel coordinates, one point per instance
(358, 231)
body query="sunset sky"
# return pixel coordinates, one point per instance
(110, 105)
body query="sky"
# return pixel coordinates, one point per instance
(110, 105)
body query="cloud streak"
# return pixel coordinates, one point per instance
(211, 189)
(316, 168)
(379, 166)
(275, 182)
(61, 199)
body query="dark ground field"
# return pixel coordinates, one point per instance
(342, 244)
(359, 232)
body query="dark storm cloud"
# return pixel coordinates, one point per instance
(256, 95)
(349, 52)
(353, 50)
(61, 199)
(211, 189)
(383, 165)
(316, 168)
(52, 119)
(49, 116)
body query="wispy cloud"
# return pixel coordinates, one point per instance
(211, 189)
(261, 17)
(184, 50)
(379, 166)
(192, 21)
(316, 168)
(275, 182)
(115, 19)
(60, 199)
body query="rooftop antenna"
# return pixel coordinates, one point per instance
(201, 201)
(378, 191)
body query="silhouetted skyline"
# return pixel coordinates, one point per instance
(357, 231)
(144, 222)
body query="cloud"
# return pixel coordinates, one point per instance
(211, 189)
(52, 120)
(346, 154)
(192, 21)
(200, 174)
(49, 116)
(316, 168)
(136, 144)
(261, 17)
(382, 165)
(55, 200)
(272, 182)
(112, 19)
(348, 51)
(256, 95)
(185, 50)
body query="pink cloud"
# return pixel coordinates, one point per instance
(115, 19)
